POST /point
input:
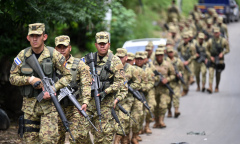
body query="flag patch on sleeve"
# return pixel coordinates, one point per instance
(17, 61)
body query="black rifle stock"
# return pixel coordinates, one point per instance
(95, 87)
(161, 78)
(48, 85)
(125, 112)
(67, 92)
(186, 66)
(141, 98)
(117, 120)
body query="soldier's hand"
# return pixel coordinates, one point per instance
(102, 94)
(35, 82)
(206, 60)
(84, 107)
(46, 95)
(185, 63)
(115, 103)
(164, 81)
(197, 55)
(220, 55)
(212, 59)
(179, 75)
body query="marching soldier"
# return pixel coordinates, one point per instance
(132, 75)
(162, 93)
(216, 49)
(175, 84)
(223, 27)
(41, 118)
(81, 83)
(200, 61)
(110, 70)
(173, 12)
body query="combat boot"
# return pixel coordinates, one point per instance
(125, 139)
(161, 121)
(203, 87)
(191, 81)
(138, 138)
(209, 90)
(134, 139)
(198, 87)
(156, 125)
(147, 129)
(185, 92)
(117, 139)
(169, 113)
(216, 89)
(177, 113)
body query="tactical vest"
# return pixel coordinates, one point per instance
(103, 71)
(73, 84)
(173, 9)
(216, 47)
(186, 54)
(222, 31)
(26, 70)
(200, 50)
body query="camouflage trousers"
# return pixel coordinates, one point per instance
(151, 102)
(163, 100)
(211, 76)
(125, 120)
(176, 97)
(48, 126)
(137, 112)
(78, 127)
(192, 68)
(200, 67)
(109, 126)
(186, 77)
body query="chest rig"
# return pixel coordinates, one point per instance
(26, 70)
(216, 47)
(103, 71)
(186, 52)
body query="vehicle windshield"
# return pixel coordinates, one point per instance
(214, 1)
(135, 49)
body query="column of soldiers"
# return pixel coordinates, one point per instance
(159, 77)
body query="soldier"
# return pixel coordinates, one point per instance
(175, 84)
(162, 93)
(110, 70)
(208, 30)
(174, 35)
(81, 83)
(216, 49)
(41, 123)
(149, 48)
(200, 61)
(132, 75)
(187, 54)
(137, 109)
(196, 12)
(173, 12)
(223, 27)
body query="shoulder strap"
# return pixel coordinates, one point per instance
(126, 66)
(74, 69)
(108, 63)
(51, 51)
(25, 51)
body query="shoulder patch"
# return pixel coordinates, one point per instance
(83, 59)
(119, 66)
(14, 65)
(62, 60)
(17, 61)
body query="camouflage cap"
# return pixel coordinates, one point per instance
(102, 37)
(63, 39)
(201, 35)
(209, 21)
(169, 42)
(216, 29)
(159, 51)
(190, 33)
(215, 15)
(175, 20)
(185, 35)
(149, 46)
(172, 29)
(220, 20)
(161, 45)
(190, 17)
(36, 28)
(181, 24)
(170, 49)
(130, 55)
(121, 52)
(140, 54)
(146, 53)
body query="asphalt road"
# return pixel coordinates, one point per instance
(217, 114)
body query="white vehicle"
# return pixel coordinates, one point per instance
(140, 44)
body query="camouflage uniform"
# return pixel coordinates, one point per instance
(199, 66)
(173, 12)
(188, 53)
(116, 89)
(44, 113)
(81, 80)
(134, 79)
(223, 27)
(175, 84)
(162, 93)
(208, 30)
(216, 46)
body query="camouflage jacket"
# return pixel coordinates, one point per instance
(16, 78)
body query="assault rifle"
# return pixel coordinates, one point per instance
(117, 120)
(125, 112)
(177, 73)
